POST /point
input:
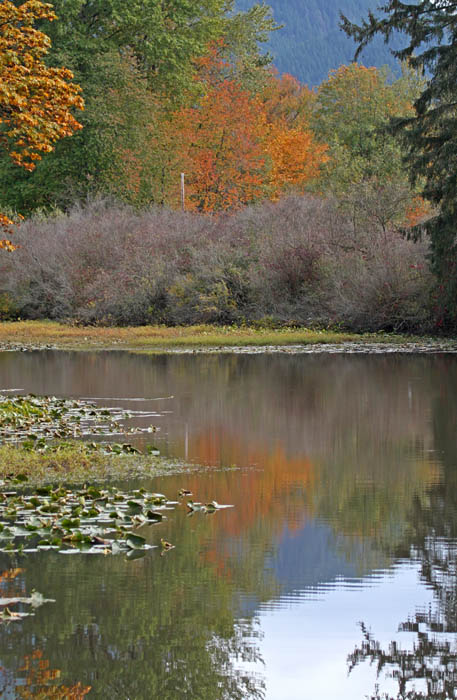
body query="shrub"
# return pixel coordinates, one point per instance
(302, 259)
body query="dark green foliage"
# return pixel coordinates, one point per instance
(430, 136)
(164, 36)
(311, 42)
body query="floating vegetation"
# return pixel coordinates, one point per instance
(83, 520)
(33, 422)
(53, 440)
(8, 603)
(184, 492)
(87, 520)
(166, 545)
(91, 520)
(211, 507)
(35, 600)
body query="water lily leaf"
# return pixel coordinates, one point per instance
(69, 551)
(193, 506)
(135, 541)
(93, 492)
(214, 505)
(154, 517)
(184, 492)
(84, 545)
(8, 615)
(49, 508)
(70, 523)
(98, 550)
(151, 450)
(134, 507)
(157, 497)
(44, 490)
(77, 537)
(118, 547)
(96, 539)
(6, 534)
(20, 531)
(36, 599)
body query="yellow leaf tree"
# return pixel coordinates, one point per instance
(35, 100)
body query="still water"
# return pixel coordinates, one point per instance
(334, 575)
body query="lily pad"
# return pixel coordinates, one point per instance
(135, 541)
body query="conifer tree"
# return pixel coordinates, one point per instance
(430, 135)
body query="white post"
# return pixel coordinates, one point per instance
(182, 192)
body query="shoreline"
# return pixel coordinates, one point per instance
(49, 335)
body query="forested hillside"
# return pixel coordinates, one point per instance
(311, 42)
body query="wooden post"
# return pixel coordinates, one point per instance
(182, 192)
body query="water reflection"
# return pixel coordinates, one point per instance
(156, 627)
(422, 658)
(342, 470)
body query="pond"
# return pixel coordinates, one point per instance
(333, 576)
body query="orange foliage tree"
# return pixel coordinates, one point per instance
(220, 140)
(237, 147)
(286, 99)
(295, 156)
(35, 100)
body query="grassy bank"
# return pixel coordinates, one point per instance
(39, 334)
(75, 464)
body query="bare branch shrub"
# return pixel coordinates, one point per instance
(301, 260)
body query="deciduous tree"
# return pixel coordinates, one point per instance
(35, 100)
(221, 143)
(135, 63)
(295, 155)
(237, 146)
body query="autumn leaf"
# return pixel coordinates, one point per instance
(35, 100)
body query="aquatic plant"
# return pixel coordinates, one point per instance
(33, 421)
(86, 520)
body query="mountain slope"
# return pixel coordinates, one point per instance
(311, 43)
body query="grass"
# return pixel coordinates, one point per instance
(48, 333)
(75, 464)
(39, 436)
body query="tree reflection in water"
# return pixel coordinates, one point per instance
(432, 663)
(428, 670)
(40, 681)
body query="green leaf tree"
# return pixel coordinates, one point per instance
(365, 168)
(430, 134)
